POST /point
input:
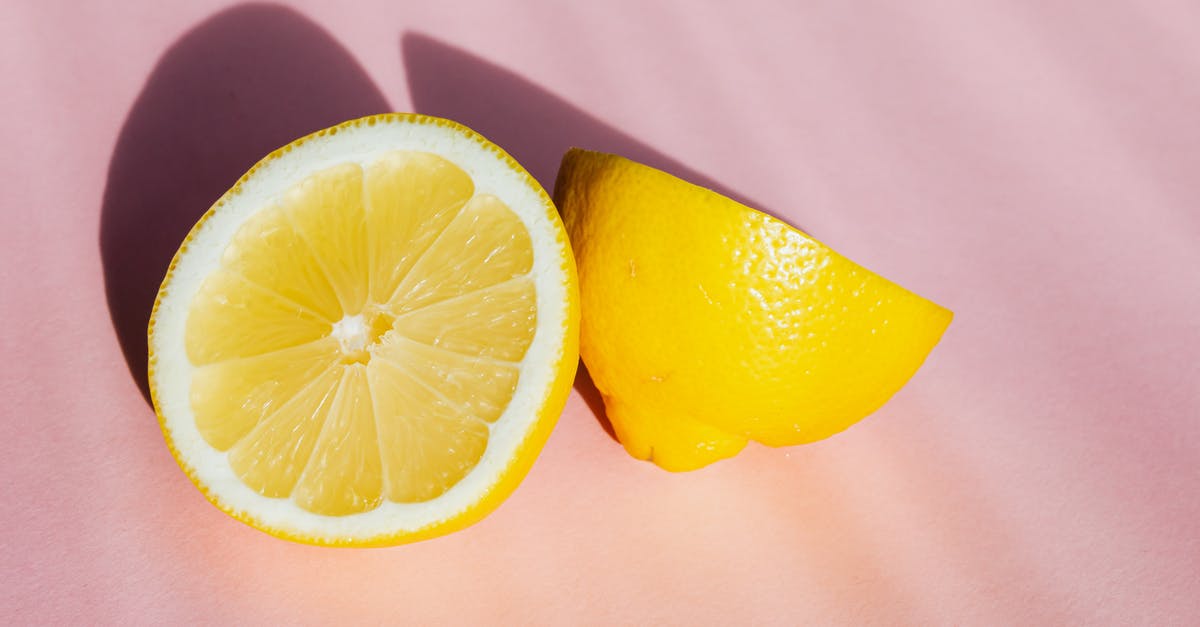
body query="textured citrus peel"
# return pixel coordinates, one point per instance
(707, 324)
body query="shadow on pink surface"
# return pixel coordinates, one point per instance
(534, 125)
(237, 86)
(595, 401)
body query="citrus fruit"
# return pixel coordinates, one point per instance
(707, 324)
(368, 339)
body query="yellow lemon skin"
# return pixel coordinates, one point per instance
(706, 324)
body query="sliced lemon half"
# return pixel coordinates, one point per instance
(368, 339)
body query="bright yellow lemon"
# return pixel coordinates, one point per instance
(369, 338)
(707, 324)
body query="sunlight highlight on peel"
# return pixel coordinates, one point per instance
(368, 339)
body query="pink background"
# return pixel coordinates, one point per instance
(1032, 165)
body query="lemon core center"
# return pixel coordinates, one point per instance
(357, 334)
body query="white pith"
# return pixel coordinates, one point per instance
(362, 144)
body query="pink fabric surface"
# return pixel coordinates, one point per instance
(1032, 165)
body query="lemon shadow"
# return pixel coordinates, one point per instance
(529, 121)
(593, 399)
(232, 89)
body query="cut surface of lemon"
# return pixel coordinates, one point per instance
(707, 324)
(368, 339)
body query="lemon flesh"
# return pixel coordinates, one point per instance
(707, 324)
(367, 340)
(360, 336)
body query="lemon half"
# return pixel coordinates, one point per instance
(707, 324)
(368, 339)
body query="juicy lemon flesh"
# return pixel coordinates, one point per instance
(707, 324)
(362, 334)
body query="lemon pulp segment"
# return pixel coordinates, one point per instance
(362, 334)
